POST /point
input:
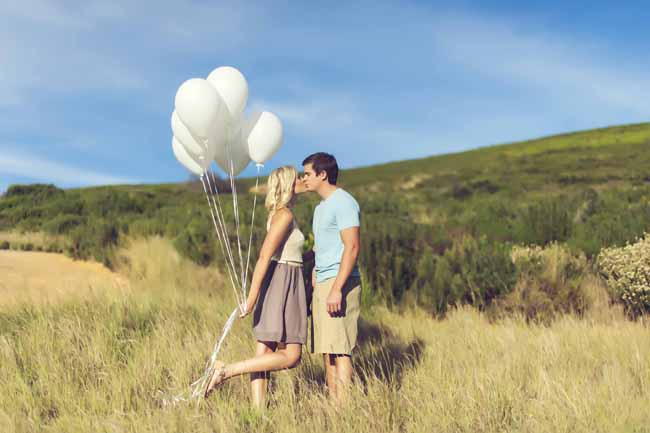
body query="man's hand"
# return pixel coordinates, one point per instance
(334, 302)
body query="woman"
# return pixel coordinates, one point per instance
(277, 296)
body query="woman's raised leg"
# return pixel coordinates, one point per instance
(281, 359)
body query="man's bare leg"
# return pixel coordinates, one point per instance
(260, 380)
(330, 374)
(343, 364)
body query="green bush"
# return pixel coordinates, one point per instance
(472, 271)
(494, 220)
(549, 220)
(54, 248)
(96, 241)
(197, 242)
(112, 202)
(613, 224)
(63, 224)
(4, 245)
(36, 192)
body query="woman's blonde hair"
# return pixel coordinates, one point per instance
(280, 186)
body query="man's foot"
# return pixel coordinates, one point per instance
(218, 377)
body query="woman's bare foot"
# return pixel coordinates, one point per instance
(218, 377)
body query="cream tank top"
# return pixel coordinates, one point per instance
(291, 251)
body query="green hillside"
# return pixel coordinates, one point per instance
(437, 231)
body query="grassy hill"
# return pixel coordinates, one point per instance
(618, 151)
(437, 231)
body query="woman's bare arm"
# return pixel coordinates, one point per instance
(278, 232)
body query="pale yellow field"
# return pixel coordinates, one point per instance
(104, 364)
(47, 277)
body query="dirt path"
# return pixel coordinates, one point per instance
(47, 277)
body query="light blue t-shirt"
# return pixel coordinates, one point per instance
(338, 212)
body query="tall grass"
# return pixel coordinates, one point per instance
(40, 241)
(105, 363)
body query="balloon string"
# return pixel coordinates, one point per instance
(222, 223)
(222, 228)
(198, 386)
(217, 222)
(235, 205)
(250, 239)
(219, 207)
(230, 273)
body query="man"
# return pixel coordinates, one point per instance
(335, 279)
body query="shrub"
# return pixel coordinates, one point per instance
(545, 222)
(472, 271)
(96, 241)
(38, 192)
(460, 191)
(493, 219)
(197, 242)
(62, 224)
(550, 280)
(627, 272)
(112, 202)
(613, 226)
(4, 245)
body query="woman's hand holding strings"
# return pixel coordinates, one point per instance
(247, 307)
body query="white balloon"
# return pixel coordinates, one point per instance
(263, 135)
(235, 152)
(184, 136)
(201, 109)
(232, 87)
(219, 136)
(191, 163)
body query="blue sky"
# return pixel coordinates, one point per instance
(87, 87)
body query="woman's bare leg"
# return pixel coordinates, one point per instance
(260, 380)
(270, 361)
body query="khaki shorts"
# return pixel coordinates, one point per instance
(335, 334)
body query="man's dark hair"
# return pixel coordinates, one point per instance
(324, 162)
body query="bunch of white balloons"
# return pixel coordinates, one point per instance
(209, 125)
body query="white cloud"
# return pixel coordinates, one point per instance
(567, 68)
(121, 47)
(315, 112)
(13, 164)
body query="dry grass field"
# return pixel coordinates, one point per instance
(37, 277)
(104, 361)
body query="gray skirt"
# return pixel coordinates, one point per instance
(281, 311)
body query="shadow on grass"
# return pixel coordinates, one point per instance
(380, 355)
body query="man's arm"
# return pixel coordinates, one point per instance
(351, 245)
